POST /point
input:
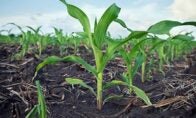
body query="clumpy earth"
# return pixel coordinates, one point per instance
(173, 94)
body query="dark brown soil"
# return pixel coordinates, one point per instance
(173, 95)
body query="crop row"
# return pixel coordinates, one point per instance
(140, 50)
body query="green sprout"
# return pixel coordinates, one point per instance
(40, 109)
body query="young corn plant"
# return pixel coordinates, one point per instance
(39, 110)
(24, 43)
(30, 40)
(76, 41)
(46, 41)
(148, 62)
(36, 39)
(62, 41)
(26, 39)
(102, 48)
(133, 59)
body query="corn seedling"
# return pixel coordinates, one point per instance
(39, 110)
(133, 60)
(23, 41)
(76, 41)
(97, 41)
(61, 40)
(36, 39)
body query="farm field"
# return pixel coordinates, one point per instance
(91, 74)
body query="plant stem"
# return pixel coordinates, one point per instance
(143, 71)
(99, 90)
(130, 83)
(40, 49)
(130, 78)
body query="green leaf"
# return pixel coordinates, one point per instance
(50, 60)
(75, 81)
(135, 50)
(163, 27)
(129, 57)
(36, 31)
(42, 110)
(20, 28)
(137, 35)
(33, 112)
(122, 23)
(193, 23)
(157, 43)
(82, 35)
(114, 83)
(125, 56)
(54, 59)
(141, 94)
(77, 13)
(101, 29)
(139, 60)
(82, 62)
(117, 44)
(112, 97)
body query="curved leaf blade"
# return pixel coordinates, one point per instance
(101, 29)
(135, 50)
(55, 59)
(138, 62)
(79, 60)
(42, 109)
(49, 60)
(137, 34)
(33, 112)
(122, 23)
(141, 94)
(163, 27)
(114, 83)
(112, 97)
(193, 23)
(78, 14)
(75, 81)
